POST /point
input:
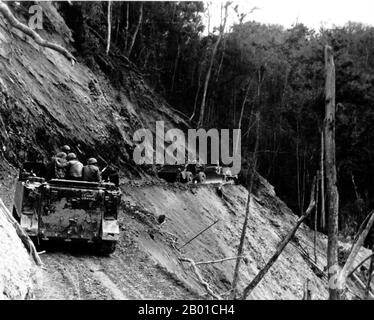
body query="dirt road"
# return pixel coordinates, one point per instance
(77, 273)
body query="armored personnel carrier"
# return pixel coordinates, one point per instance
(68, 210)
(189, 173)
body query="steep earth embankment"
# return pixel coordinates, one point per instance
(17, 270)
(46, 102)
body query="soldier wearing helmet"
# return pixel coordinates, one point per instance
(57, 167)
(91, 171)
(74, 168)
(66, 149)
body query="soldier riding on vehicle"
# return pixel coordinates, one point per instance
(91, 171)
(56, 204)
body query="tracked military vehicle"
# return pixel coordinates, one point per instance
(189, 173)
(66, 209)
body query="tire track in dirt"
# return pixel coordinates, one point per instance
(105, 280)
(129, 273)
(74, 278)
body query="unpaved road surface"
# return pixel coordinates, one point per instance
(72, 272)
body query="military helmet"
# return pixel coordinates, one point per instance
(66, 148)
(61, 155)
(72, 156)
(92, 161)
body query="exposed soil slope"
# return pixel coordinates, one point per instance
(191, 210)
(45, 101)
(17, 270)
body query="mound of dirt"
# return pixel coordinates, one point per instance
(17, 270)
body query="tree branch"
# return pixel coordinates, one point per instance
(8, 15)
(360, 264)
(343, 274)
(281, 247)
(201, 280)
(218, 261)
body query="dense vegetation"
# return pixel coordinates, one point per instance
(264, 68)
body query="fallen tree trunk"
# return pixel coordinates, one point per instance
(343, 274)
(8, 15)
(29, 245)
(281, 247)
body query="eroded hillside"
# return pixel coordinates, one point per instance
(45, 102)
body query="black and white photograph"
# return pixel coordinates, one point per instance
(190, 156)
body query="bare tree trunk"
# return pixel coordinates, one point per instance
(207, 78)
(127, 24)
(298, 165)
(303, 185)
(332, 191)
(323, 214)
(109, 26)
(208, 10)
(136, 30)
(117, 29)
(175, 67)
(197, 93)
(242, 112)
(221, 62)
(316, 220)
(8, 15)
(355, 188)
(247, 212)
(234, 104)
(281, 247)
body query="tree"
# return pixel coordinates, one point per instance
(129, 50)
(207, 77)
(247, 209)
(332, 191)
(109, 26)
